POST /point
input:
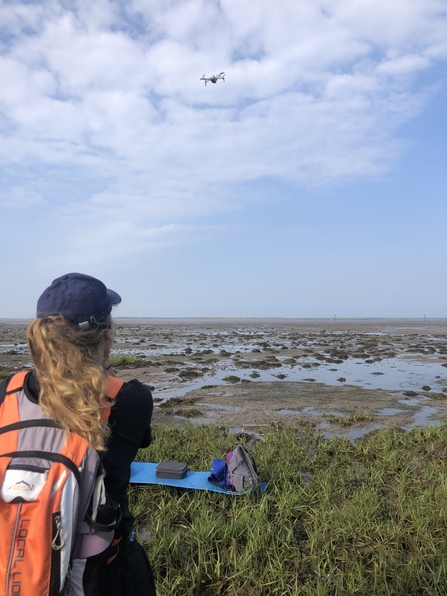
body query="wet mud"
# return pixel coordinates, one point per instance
(340, 377)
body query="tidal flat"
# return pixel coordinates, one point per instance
(333, 413)
(341, 377)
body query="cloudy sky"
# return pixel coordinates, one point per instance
(311, 182)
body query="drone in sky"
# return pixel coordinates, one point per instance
(213, 78)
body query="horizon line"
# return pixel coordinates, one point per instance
(274, 317)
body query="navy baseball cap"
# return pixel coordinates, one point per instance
(81, 298)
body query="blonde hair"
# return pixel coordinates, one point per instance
(71, 380)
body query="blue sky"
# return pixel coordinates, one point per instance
(312, 182)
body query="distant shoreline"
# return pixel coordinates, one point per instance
(297, 320)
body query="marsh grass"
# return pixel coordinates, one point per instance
(350, 419)
(337, 518)
(127, 361)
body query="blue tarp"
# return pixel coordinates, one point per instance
(144, 473)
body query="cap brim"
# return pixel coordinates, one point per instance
(113, 297)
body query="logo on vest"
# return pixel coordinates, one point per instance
(21, 486)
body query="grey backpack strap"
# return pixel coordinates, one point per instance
(91, 523)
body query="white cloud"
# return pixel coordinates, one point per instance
(107, 95)
(116, 240)
(409, 63)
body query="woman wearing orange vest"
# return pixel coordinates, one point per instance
(70, 343)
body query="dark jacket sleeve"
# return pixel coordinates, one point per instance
(130, 422)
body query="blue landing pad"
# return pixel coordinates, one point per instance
(144, 473)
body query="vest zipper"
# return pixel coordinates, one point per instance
(57, 544)
(8, 570)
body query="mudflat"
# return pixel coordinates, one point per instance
(344, 376)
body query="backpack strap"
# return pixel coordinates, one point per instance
(3, 386)
(112, 387)
(9, 407)
(16, 382)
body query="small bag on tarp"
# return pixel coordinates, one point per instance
(171, 469)
(238, 473)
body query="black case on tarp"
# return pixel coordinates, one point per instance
(171, 469)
